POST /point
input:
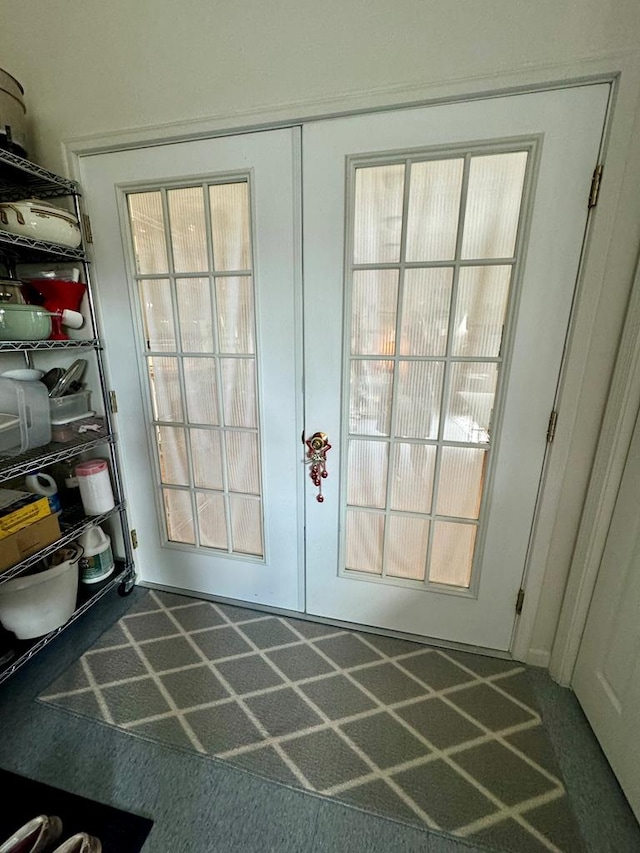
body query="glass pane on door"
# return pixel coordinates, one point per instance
(193, 259)
(434, 244)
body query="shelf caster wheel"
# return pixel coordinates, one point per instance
(126, 586)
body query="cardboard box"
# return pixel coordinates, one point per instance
(22, 544)
(19, 510)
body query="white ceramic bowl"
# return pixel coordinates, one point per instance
(41, 221)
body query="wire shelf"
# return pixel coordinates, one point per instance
(49, 454)
(70, 531)
(15, 245)
(87, 597)
(20, 177)
(22, 346)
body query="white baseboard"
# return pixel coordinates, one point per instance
(538, 657)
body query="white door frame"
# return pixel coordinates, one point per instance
(623, 72)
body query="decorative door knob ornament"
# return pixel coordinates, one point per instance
(317, 448)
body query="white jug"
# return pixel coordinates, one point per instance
(96, 562)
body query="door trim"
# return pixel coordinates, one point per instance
(622, 71)
(382, 99)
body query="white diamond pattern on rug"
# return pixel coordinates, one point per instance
(443, 739)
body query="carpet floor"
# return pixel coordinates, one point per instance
(433, 738)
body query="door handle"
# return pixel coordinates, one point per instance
(316, 456)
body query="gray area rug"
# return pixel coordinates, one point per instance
(438, 739)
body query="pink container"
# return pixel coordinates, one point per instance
(95, 486)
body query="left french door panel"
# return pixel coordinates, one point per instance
(196, 254)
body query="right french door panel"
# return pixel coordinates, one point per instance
(441, 250)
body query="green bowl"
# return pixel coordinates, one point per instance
(24, 323)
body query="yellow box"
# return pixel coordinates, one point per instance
(28, 509)
(27, 541)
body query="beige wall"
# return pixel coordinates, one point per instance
(90, 66)
(94, 67)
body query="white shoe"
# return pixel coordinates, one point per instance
(79, 843)
(34, 836)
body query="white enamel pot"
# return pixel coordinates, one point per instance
(41, 221)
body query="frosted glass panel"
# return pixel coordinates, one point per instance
(493, 205)
(230, 226)
(365, 531)
(243, 462)
(406, 547)
(165, 388)
(373, 312)
(370, 397)
(434, 202)
(471, 398)
(147, 231)
(418, 401)
(196, 289)
(187, 228)
(172, 453)
(157, 315)
(194, 311)
(239, 391)
(179, 516)
(425, 311)
(206, 457)
(200, 387)
(211, 520)
(368, 462)
(483, 293)
(246, 525)
(461, 481)
(378, 214)
(452, 553)
(235, 314)
(412, 483)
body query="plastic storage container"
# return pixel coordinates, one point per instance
(33, 605)
(71, 407)
(95, 486)
(29, 402)
(10, 434)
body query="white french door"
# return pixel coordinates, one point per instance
(607, 674)
(441, 247)
(196, 259)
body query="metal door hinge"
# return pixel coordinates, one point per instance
(519, 601)
(134, 539)
(86, 227)
(594, 192)
(113, 402)
(551, 429)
